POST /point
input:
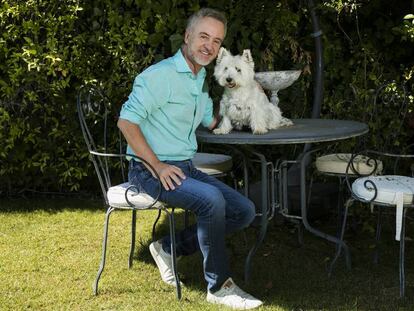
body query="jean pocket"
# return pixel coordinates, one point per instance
(184, 165)
(138, 170)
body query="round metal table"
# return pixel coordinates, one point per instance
(303, 131)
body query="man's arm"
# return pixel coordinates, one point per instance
(169, 174)
(214, 123)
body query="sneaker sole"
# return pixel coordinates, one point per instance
(212, 299)
(154, 254)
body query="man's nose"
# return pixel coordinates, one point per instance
(209, 45)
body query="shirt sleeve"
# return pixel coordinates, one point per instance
(208, 113)
(149, 92)
(208, 110)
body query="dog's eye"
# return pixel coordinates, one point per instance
(238, 69)
(225, 68)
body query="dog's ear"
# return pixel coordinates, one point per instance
(222, 52)
(247, 57)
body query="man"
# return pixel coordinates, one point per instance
(168, 102)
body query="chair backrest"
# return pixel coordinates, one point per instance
(104, 141)
(384, 109)
(389, 132)
(388, 118)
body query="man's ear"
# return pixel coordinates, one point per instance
(222, 52)
(186, 35)
(247, 57)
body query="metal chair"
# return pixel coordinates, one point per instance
(96, 121)
(106, 146)
(396, 191)
(385, 180)
(334, 163)
(390, 98)
(213, 164)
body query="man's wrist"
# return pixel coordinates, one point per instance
(215, 123)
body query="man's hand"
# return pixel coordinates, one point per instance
(214, 123)
(170, 175)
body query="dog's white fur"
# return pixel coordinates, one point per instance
(244, 103)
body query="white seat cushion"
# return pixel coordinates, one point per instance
(388, 186)
(391, 189)
(116, 197)
(337, 163)
(212, 163)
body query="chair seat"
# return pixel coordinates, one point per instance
(213, 163)
(141, 200)
(388, 186)
(337, 163)
(391, 189)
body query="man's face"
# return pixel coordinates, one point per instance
(204, 41)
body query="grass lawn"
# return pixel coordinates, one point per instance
(50, 251)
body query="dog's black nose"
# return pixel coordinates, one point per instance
(229, 79)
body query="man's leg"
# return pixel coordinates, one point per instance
(240, 213)
(209, 206)
(206, 199)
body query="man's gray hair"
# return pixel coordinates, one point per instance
(206, 12)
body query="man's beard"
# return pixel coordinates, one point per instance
(197, 59)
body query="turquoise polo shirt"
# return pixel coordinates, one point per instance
(169, 102)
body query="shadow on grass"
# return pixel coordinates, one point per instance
(293, 277)
(189, 267)
(284, 275)
(53, 204)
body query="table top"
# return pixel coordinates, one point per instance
(302, 131)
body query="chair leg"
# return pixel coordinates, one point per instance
(133, 233)
(186, 218)
(310, 189)
(341, 238)
(300, 233)
(234, 179)
(104, 244)
(402, 256)
(155, 224)
(377, 236)
(174, 254)
(340, 203)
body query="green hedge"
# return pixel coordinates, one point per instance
(48, 48)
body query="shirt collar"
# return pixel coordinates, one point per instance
(182, 66)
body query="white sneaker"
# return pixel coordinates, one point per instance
(233, 296)
(164, 263)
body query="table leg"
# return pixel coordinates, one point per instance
(303, 206)
(263, 215)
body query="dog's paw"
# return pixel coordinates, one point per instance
(220, 131)
(286, 122)
(260, 131)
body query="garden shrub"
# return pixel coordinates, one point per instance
(48, 48)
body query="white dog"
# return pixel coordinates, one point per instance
(244, 103)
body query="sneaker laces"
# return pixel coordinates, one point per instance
(242, 294)
(234, 290)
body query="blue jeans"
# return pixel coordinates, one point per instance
(219, 210)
